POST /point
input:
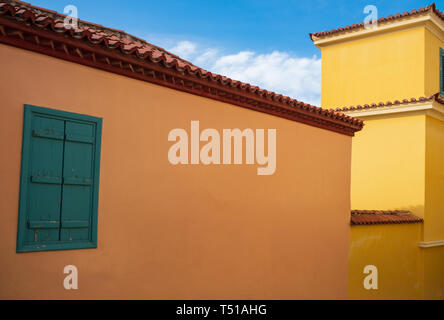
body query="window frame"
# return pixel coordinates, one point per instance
(441, 71)
(29, 111)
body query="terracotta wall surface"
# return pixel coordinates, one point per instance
(178, 232)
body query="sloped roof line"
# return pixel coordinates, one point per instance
(22, 25)
(434, 97)
(390, 18)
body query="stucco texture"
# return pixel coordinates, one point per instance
(178, 232)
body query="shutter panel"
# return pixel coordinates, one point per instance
(45, 180)
(78, 175)
(442, 72)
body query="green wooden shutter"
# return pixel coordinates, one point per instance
(59, 180)
(442, 71)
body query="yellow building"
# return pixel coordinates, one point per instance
(389, 73)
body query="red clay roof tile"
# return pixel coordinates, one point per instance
(368, 217)
(430, 8)
(115, 40)
(435, 97)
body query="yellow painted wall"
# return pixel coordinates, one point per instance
(397, 163)
(434, 209)
(393, 249)
(389, 172)
(434, 196)
(397, 160)
(373, 69)
(433, 272)
(432, 63)
(388, 164)
(178, 232)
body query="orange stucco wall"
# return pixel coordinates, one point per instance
(178, 232)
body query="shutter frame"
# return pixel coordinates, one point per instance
(441, 71)
(37, 222)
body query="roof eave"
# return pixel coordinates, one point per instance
(432, 106)
(428, 19)
(23, 31)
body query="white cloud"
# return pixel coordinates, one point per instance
(208, 56)
(184, 49)
(234, 61)
(281, 72)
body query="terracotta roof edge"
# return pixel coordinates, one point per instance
(434, 97)
(372, 217)
(389, 18)
(20, 26)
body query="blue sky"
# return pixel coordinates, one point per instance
(238, 37)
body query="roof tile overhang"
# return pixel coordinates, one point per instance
(429, 14)
(43, 31)
(432, 106)
(435, 97)
(370, 217)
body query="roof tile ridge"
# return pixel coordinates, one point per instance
(388, 103)
(26, 14)
(391, 17)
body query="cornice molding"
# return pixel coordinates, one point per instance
(396, 21)
(361, 33)
(430, 108)
(428, 19)
(436, 26)
(431, 244)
